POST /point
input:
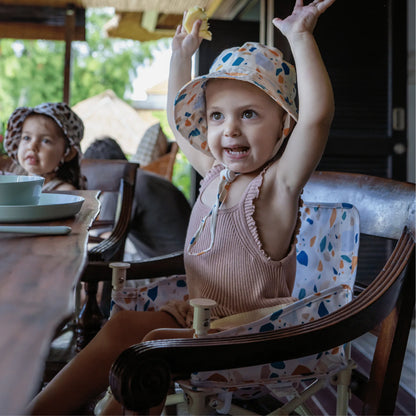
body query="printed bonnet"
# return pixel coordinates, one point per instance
(260, 65)
(71, 125)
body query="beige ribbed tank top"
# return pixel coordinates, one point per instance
(236, 272)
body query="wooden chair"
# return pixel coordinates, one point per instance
(142, 374)
(6, 163)
(117, 177)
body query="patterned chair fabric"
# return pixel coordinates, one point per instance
(327, 253)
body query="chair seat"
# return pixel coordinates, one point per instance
(274, 374)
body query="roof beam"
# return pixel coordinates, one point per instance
(149, 20)
(38, 22)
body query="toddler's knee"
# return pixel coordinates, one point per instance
(168, 333)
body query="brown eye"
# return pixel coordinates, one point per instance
(216, 116)
(248, 114)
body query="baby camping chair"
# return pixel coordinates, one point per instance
(327, 252)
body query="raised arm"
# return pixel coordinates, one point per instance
(183, 47)
(316, 102)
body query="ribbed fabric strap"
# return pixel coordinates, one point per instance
(226, 178)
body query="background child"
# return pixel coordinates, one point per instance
(233, 130)
(45, 141)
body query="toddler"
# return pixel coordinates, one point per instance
(45, 141)
(242, 131)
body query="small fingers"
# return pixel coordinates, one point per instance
(276, 21)
(322, 5)
(195, 28)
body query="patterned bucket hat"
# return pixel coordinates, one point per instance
(260, 65)
(61, 113)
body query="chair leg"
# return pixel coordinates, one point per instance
(343, 389)
(197, 402)
(90, 319)
(297, 402)
(343, 383)
(175, 398)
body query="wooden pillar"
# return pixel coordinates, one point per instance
(69, 35)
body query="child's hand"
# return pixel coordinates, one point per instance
(303, 18)
(186, 43)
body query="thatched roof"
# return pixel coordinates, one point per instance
(107, 115)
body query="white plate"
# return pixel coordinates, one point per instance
(50, 207)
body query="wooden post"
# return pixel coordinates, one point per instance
(69, 35)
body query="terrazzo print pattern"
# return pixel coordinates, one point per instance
(327, 252)
(150, 297)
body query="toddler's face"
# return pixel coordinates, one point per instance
(42, 145)
(244, 124)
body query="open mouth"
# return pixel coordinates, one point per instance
(236, 151)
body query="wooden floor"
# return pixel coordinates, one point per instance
(325, 402)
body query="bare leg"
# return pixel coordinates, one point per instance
(86, 375)
(113, 407)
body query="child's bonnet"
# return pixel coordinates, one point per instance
(69, 122)
(257, 64)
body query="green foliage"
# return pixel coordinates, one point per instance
(32, 71)
(182, 174)
(181, 171)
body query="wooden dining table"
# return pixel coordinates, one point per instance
(38, 276)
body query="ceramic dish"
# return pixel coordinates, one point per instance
(50, 207)
(20, 189)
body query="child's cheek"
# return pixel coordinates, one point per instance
(20, 151)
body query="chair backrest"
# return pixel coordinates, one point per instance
(117, 177)
(163, 165)
(386, 206)
(387, 210)
(327, 247)
(6, 163)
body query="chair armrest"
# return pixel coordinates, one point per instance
(161, 266)
(141, 375)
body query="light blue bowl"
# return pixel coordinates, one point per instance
(20, 189)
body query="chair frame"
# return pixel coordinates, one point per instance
(112, 248)
(90, 317)
(141, 376)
